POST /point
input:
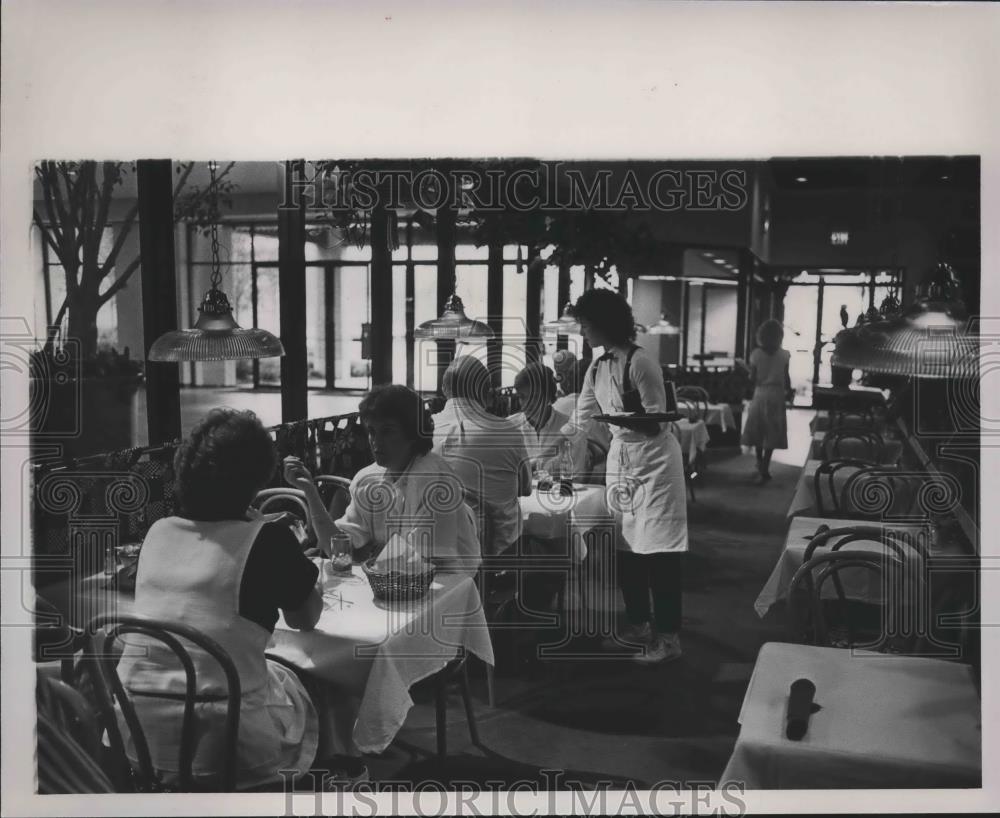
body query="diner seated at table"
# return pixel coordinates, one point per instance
(408, 491)
(546, 432)
(226, 573)
(487, 453)
(569, 376)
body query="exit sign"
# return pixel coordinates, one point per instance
(839, 237)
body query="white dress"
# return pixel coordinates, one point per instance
(767, 425)
(645, 475)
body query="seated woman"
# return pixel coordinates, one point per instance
(545, 430)
(408, 490)
(215, 569)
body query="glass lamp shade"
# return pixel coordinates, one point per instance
(900, 348)
(566, 324)
(664, 327)
(215, 337)
(928, 341)
(453, 324)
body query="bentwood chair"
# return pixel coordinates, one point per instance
(694, 400)
(860, 444)
(843, 622)
(69, 753)
(290, 501)
(101, 635)
(56, 641)
(455, 670)
(884, 492)
(829, 479)
(336, 493)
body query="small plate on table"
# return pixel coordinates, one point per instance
(630, 418)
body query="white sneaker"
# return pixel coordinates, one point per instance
(629, 636)
(663, 648)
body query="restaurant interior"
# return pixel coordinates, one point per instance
(852, 565)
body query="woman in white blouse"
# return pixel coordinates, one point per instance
(408, 490)
(645, 475)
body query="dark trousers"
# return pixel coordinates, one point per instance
(639, 575)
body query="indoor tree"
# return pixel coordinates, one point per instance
(75, 210)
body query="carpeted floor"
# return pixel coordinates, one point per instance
(616, 721)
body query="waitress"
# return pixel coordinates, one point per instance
(645, 476)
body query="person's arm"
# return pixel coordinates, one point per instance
(753, 369)
(305, 616)
(278, 576)
(586, 404)
(523, 470)
(297, 475)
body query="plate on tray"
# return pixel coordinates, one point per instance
(629, 419)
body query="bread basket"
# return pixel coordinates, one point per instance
(397, 586)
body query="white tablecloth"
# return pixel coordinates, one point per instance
(885, 721)
(858, 584)
(549, 516)
(693, 436)
(375, 652)
(719, 414)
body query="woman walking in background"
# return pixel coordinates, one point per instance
(766, 428)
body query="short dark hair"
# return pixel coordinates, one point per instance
(406, 407)
(228, 457)
(609, 313)
(539, 379)
(567, 369)
(467, 377)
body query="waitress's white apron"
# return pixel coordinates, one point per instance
(645, 491)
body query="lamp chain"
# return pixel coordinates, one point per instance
(214, 198)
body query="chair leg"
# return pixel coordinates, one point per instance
(470, 714)
(491, 699)
(441, 713)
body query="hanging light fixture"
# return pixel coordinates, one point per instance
(664, 327)
(454, 324)
(928, 341)
(216, 336)
(566, 324)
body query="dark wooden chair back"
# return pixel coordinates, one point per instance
(102, 633)
(811, 616)
(825, 486)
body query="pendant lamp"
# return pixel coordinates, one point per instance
(566, 324)
(215, 336)
(928, 341)
(453, 324)
(664, 327)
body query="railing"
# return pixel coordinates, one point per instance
(83, 506)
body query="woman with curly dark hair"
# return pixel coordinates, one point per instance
(645, 476)
(227, 573)
(409, 490)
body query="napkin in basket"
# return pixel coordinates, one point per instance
(400, 557)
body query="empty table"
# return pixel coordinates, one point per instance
(859, 585)
(884, 721)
